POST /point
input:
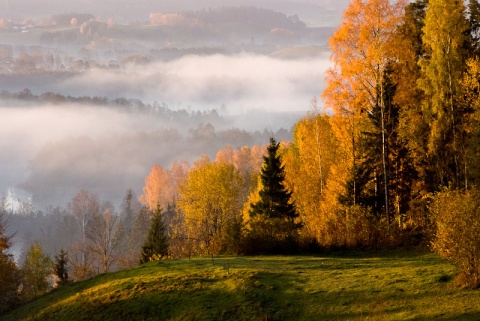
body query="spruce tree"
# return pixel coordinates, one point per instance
(9, 274)
(274, 197)
(156, 244)
(60, 267)
(273, 216)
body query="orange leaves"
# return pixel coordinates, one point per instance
(362, 47)
(161, 185)
(246, 160)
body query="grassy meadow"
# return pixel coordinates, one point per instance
(399, 285)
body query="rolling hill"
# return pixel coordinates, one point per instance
(399, 285)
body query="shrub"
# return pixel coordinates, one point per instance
(457, 218)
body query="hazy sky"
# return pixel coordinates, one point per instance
(314, 12)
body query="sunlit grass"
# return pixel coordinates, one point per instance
(393, 286)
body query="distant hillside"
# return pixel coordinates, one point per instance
(393, 286)
(318, 12)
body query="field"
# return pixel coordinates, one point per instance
(399, 285)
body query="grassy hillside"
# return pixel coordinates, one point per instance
(394, 286)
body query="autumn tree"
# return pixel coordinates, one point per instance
(157, 243)
(161, 185)
(308, 166)
(35, 270)
(470, 94)
(211, 201)
(181, 244)
(272, 225)
(156, 187)
(363, 48)
(225, 155)
(444, 37)
(457, 238)
(246, 160)
(413, 128)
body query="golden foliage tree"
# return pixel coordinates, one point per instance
(363, 48)
(413, 128)
(457, 239)
(470, 93)
(444, 38)
(36, 268)
(309, 169)
(211, 201)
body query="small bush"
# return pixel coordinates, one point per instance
(457, 239)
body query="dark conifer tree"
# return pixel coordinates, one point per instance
(274, 196)
(60, 266)
(399, 167)
(273, 216)
(9, 274)
(156, 244)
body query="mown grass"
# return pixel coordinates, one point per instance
(392, 286)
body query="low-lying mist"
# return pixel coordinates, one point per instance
(53, 150)
(236, 84)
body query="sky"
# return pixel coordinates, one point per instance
(314, 12)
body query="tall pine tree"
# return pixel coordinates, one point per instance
(156, 244)
(60, 268)
(9, 274)
(274, 197)
(273, 217)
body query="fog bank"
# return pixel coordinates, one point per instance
(52, 151)
(235, 84)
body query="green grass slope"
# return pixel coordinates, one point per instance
(394, 286)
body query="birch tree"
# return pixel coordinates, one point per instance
(83, 207)
(363, 47)
(105, 234)
(444, 37)
(211, 201)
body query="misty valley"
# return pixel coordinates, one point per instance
(79, 86)
(92, 101)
